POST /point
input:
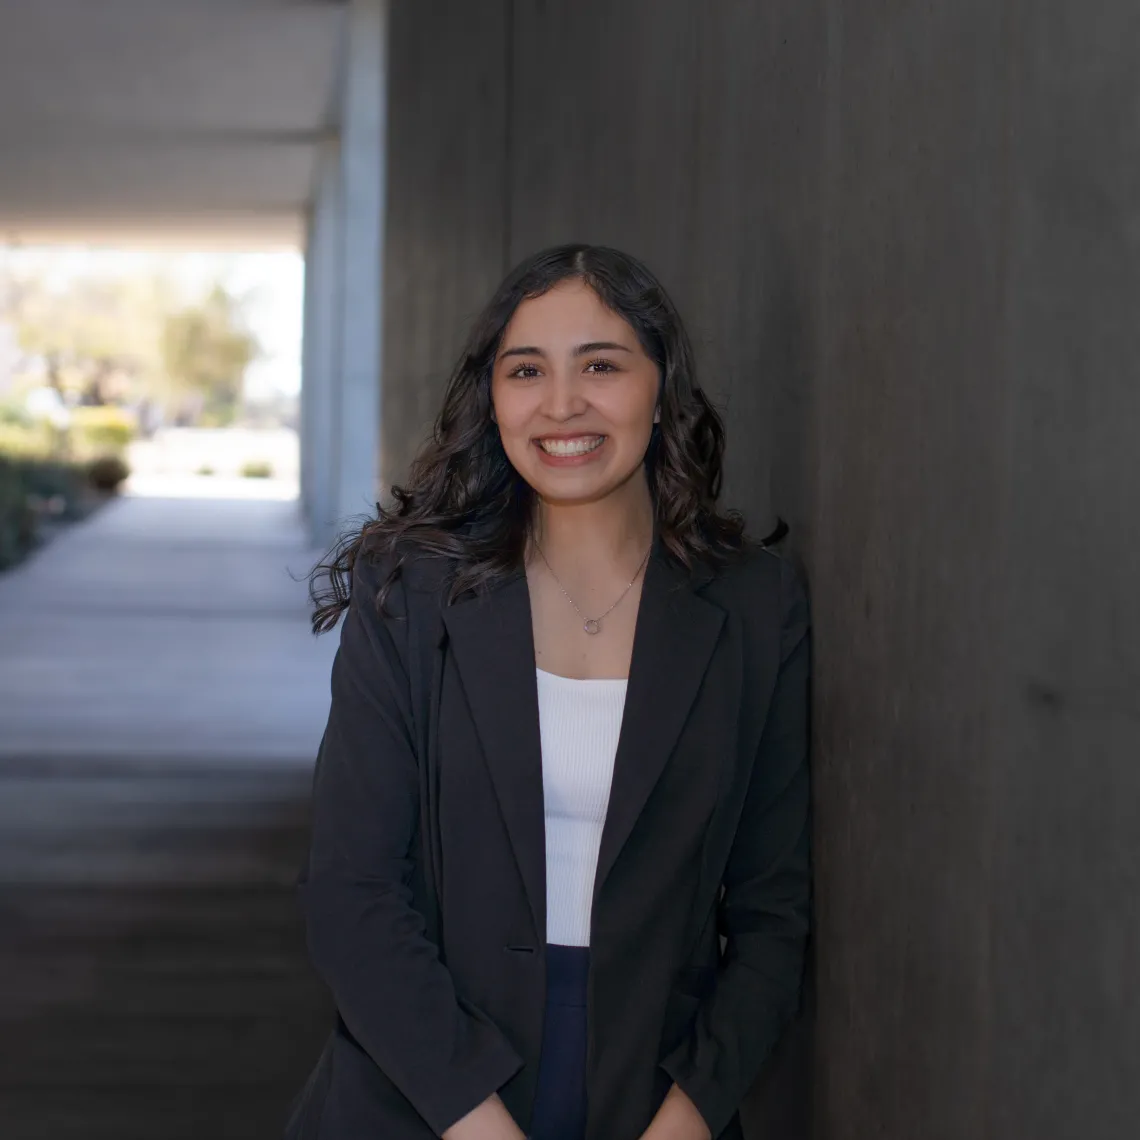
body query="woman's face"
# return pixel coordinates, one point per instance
(574, 395)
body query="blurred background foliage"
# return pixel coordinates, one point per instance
(98, 361)
(125, 339)
(206, 351)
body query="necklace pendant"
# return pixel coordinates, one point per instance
(592, 626)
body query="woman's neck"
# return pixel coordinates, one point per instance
(610, 534)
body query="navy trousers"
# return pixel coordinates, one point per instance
(560, 1101)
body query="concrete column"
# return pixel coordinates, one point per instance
(356, 406)
(308, 379)
(322, 344)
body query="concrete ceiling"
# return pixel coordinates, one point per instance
(192, 121)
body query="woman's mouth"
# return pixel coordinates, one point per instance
(571, 447)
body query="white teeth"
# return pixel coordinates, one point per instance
(571, 446)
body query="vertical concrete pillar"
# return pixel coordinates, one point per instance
(343, 289)
(308, 379)
(322, 347)
(356, 406)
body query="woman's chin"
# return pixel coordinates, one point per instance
(563, 496)
(577, 493)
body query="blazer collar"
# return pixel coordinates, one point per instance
(493, 645)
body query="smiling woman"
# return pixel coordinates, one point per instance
(567, 751)
(576, 339)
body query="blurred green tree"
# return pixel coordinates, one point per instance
(97, 336)
(121, 338)
(206, 349)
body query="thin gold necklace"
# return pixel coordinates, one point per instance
(593, 625)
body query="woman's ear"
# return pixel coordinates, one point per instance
(657, 414)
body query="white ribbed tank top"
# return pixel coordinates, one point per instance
(579, 721)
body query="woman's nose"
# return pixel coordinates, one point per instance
(564, 397)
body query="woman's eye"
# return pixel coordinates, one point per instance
(600, 366)
(524, 372)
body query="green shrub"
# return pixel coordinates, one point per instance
(47, 482)
(101, 430)
(107, 473)
(257, 469)
(11, 413)
(205, 469)
(33, 488)
(25, 441)
(17, 519)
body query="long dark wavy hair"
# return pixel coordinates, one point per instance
(463, 499)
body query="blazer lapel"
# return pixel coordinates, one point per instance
(493, 644)
(674, 637)
(492, 641)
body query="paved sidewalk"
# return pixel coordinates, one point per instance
(161, 701)
(165, 628)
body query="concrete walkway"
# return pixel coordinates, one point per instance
(165, 628)
(161, 701)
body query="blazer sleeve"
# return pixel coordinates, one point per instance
(366, 938)
(765, 905)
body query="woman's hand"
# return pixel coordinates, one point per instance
(677, 1119)
(488, 1121)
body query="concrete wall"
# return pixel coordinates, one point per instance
(907, 521)
(905, 239)
(447, 203)
(1066, 883)
(973, 540)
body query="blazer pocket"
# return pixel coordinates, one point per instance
(680, 1013)
(692, 986)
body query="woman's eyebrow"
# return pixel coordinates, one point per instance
(580, 350)
(600, 346)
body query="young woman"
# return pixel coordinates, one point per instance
(559, 875)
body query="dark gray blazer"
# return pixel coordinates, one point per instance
(425, 891)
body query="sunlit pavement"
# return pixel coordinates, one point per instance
(165, 627)
(189, 486)
(161, 701)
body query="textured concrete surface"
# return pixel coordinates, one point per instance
(1066, 781)
(974, 544)
(910, 412)
(160, 706)
(448, 204)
